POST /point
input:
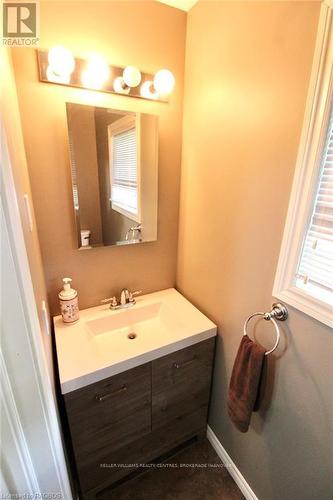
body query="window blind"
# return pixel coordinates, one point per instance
(315, 271)
(124, 186)
(73, 171)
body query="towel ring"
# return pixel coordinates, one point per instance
(278, 312)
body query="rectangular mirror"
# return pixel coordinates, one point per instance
(114, 166)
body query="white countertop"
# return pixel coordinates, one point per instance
(97, 346)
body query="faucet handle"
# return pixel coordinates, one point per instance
(112, 300)
(106, 301)
(133, 294)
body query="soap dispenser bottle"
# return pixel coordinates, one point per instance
(69, 304)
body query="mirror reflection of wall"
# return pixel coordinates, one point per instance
(114, 169)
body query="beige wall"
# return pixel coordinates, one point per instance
(149, 175)
(149, 35)
(81, 121)
(246, 79)
(11, 121)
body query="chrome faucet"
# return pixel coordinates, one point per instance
(126, 299)
(131, 233)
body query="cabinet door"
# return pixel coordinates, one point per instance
(109, 414)
(181, 382)
(94, 478)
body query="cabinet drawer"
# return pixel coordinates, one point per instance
(181, 382)
(110, 413)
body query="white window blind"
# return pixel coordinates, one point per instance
(315, 270)
(73, 171)
(124, 183)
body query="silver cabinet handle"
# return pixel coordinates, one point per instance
(186, 363)
(103, 397)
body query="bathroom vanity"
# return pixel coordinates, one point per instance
(135, 383)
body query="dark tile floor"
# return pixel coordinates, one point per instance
(182, 483)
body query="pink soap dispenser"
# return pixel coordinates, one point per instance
(69, 304)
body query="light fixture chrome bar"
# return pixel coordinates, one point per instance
(115, 73)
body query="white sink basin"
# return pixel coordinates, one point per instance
(143, 319)
(105, 342)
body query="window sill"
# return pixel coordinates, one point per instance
(307, 304)
(126, 213)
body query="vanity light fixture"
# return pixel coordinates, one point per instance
(164, 82)
(161, 87)
(120, 86)
(132, 76)
(59, 66)
(148, 91)
(55, 78)
(96, 73)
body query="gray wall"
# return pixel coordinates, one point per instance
(247, 72)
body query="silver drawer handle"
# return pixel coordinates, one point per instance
(103, 397)
(181, 365)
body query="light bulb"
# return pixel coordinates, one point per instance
(164, 82)
(96, 73)
(61, 61)
(120, 86)
(53, 77)
(147, 90)
(132, 76)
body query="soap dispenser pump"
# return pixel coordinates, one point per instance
(69, 304)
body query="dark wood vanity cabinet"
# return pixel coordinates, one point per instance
(138, 415)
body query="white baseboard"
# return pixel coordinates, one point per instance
(232, 469)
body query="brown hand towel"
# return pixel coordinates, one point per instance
(245, 382)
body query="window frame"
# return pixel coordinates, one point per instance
(122, 125)
(306, 176)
